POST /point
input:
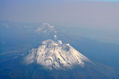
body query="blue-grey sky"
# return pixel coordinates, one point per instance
(100, 17)
(59, 10)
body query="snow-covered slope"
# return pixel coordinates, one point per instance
(55, 54)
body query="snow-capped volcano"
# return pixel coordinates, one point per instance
(54, 54)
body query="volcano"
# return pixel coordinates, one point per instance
(56, 55)
(56, 60)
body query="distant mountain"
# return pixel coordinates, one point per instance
(56, 55)
(62, 61)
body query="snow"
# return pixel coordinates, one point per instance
(54, 54)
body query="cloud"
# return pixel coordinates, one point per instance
(46, 28)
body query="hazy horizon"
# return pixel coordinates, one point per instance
(97, 19)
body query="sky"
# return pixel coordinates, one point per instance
(60, 10)
(99, 17)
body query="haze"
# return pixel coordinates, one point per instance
(96, 19)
